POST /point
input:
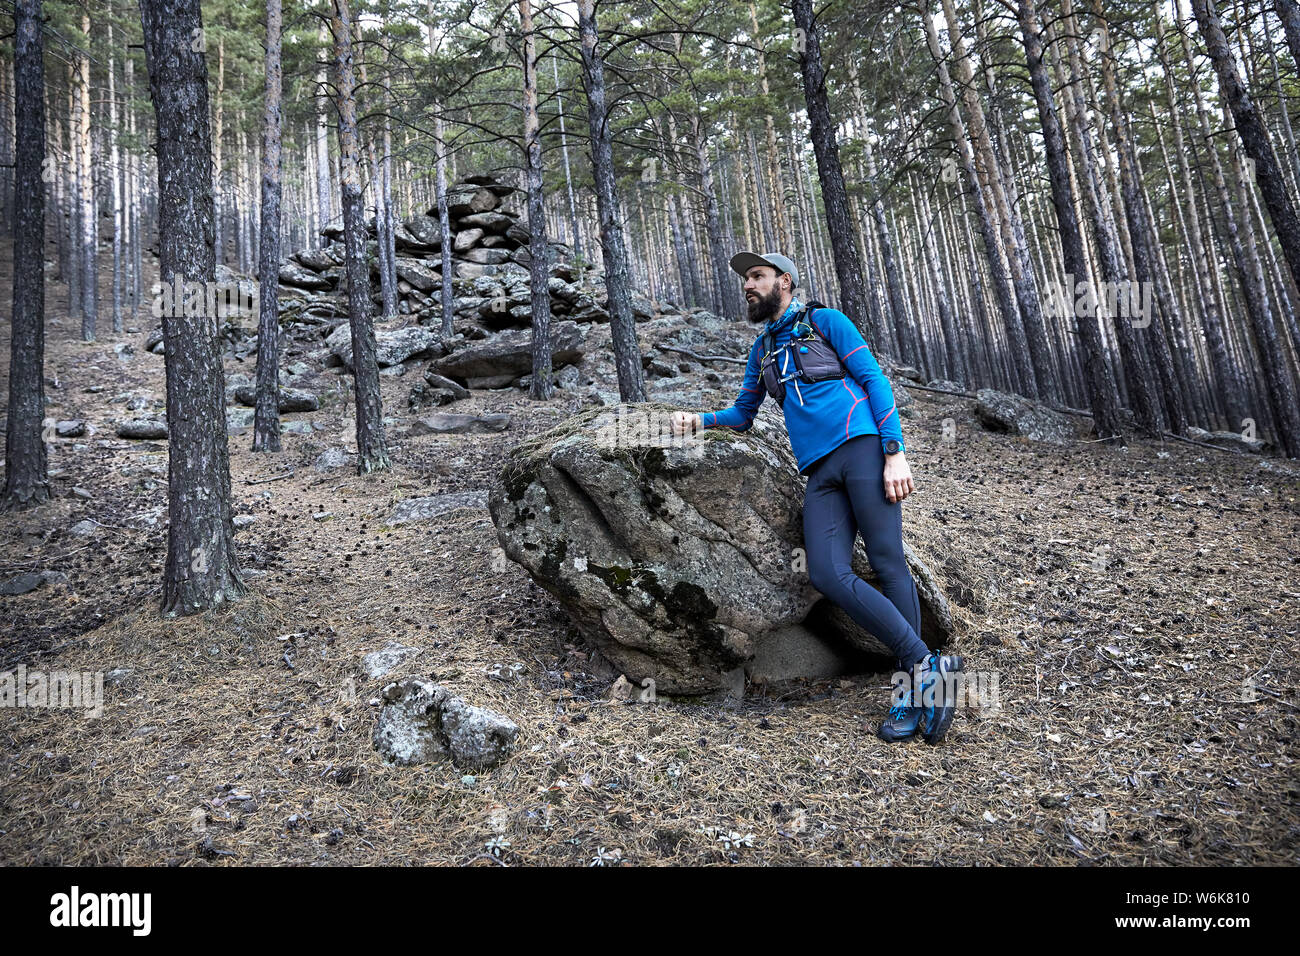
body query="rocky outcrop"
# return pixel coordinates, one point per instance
(1233, 440)
(392, 346)
(489, 274)
(1015, 415)
(507, 356)
(679, 560)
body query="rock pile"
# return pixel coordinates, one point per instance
(489, 258)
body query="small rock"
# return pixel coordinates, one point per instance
(237, 418)
(81, 493)
(141, 428)
(243, 521)
(451, 423)
(30, 581)
(291, 399)
(422, 509)
(383, 662)
(83, 529)
(331, 458)
(422, 721)
(70, 428)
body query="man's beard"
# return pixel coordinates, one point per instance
(763, 309)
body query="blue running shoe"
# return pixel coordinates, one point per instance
(938, 693)
(903, 721)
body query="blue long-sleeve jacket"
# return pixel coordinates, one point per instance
(820, 416)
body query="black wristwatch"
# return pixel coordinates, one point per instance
(893, 446)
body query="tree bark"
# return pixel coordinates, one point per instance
(372, 452)
(1254, 135)
(1281, 392)
(116, 176)
(1029, 354)
(266, 420)
(88, 216)
(202, 570)
(26, 473)
(627, 354)
(999, 278)
(538, 252)
(848, 268)
(1288, 11)
(322, 148)
(782, 235)
(1114, 269)
(1097, 373)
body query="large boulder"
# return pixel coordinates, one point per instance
(466, 238)
(452, 423)
(681, 560)
(296, 276)
(466, 199)
(317, 260)
(494, 222)
(426, 230)
(1016, 415)
(392, 346)
(509, 354)
(417, 273)
(486, 257)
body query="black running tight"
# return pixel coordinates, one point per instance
(845, 495)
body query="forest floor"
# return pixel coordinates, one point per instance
(1139, 608)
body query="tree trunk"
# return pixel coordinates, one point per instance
(89, 218)
(266, 420)
(26, 479)
(627, 354)
(782, 235)
(1281, 392)
(564, 152)
(1097, 373)
(372, 452)
(1254, 136)
(1030, 356)
(322, 150)
(218, 140)
(988, 230)
(1114, 269)
(538, 253)
(1288, 11)
(115, 175)
(201, 570)
(848, 268)
(444, 224)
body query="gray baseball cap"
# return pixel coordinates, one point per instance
(742, 262)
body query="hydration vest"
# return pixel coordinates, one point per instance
(814, 358)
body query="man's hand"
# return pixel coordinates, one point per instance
(898, 478)
(684, 422)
